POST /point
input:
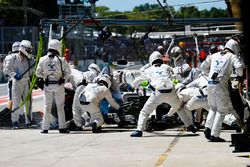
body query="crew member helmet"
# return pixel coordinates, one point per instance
(105, 80)
(154, 57)
(233, 46)
(26, 48)
(160, 49)
(175, 51)
(182, 44)
(185, 70)
(94, 67)
(213, 49)
(55, 45)
(15, 47)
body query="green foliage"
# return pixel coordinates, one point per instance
(16, 17)
(9, 17)
(215, 13)
(204, 13)
(102, 10)
(146, 7)
(144, 11)
(154, 11)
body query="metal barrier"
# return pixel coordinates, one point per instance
(8, 35)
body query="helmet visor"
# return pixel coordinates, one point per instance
(29, 50)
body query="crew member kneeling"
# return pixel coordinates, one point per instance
(90, 100)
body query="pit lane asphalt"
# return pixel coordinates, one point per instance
(115, 148)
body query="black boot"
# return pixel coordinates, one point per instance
(192, 128)
(95, 129)
(63, 131)
(15, 125)
(217, 139)
(44, 131)
(207, 133)
(236, 126)
(77, 128)
(137, 133)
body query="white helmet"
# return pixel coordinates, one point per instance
(26, 48)
(154, 56)
(175, 51)
(185, 70)
(233, 46)
(55, 45)
(94, 67)
(15, 47)
(106, 80)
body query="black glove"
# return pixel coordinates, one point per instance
(130, 88)
(61, 81)
(84, 82)
(40, 83)
(46, 82)
(240, 79)
(121, 112)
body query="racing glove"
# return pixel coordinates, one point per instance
(18, 76)
(130, 88)
(40, 83)
(61, 81)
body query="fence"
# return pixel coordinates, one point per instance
(8, 35)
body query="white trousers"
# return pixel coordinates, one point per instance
(94, 112)
(20, 91)
(219, 103)
(57, 93)
(76, 107)
(192, 99)
(156, 98)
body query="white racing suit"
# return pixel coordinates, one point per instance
(75, 77)
(193, 74)
(14, 65)
(143, 68)
(10, 82)
(89, 76)
(116, 79)
(90, 99)
(115, 82)
(222, 64)
(184, 74)
(115, 87)
(52, 69)
(159, 78)
(193, 96)
(181, 72)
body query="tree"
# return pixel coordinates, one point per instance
(215, 13)
(9, 17)
(16, 18)
(188, 12)
(144, 11)
(204, 13)
(102, 10)
(146, 7)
